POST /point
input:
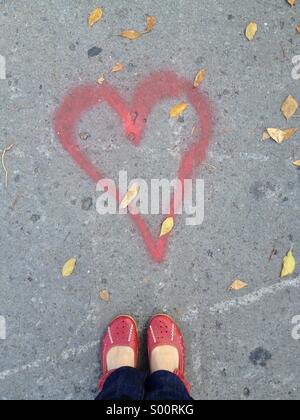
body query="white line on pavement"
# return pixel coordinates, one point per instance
(65, 355)
(254, 297)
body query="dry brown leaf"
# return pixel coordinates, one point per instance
(276, 134)
(298, 29)
(105, 296)
(118, 67)
(69, 267)
(238, 285)
(130, 195)
(177, 110)
(101, 80)
(251, 31)
(290, 133)
(279, 135)
(292, 2)
(95, 16)
(289, 107)
(200, 78)
(265, 136)
(151, 22)
(297, 163)
(132, 35)
(289, 264)
(167, 226)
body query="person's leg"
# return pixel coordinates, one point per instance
(123, 384)
(166, 352)
(166, 386)
(121, 380)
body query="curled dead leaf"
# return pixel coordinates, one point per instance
(297, 163)
(238, 285)
(95, 16)
(298, 29)
(290, 132)
(279, 135)
(131, 35)
(289, 264)
(151, 22)
(200, 78)
(131, 194)
(69, 267)
(177, 110)
(251, 31)
(292, 3)
(289, 107)
(105, 296)
(167, 226)
(118, 67)
(276, 134)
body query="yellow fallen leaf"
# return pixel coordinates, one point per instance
(297, 163)
(178, 110)
(104, 295)
(118, 67)
(130, 196)
(289, 107)
(95, 16)
(200, 78)
(132, 35)
(279, 135)
(276, 134)
(251, 31)
(289, 264)
(167, 226)
(292, 2)
(238, 285)
(69, 267)
(101, 80)
(151, 22)
(290, 133)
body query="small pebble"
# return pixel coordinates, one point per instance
(94, 52)
(84, 136)
(247, 392)
(35, 218)
(87, 204)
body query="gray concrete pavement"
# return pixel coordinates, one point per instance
(239, 345)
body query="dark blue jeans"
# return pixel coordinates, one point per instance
(132, 384)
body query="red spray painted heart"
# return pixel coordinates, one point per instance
(149, 93)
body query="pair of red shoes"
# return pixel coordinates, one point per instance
(162, 331)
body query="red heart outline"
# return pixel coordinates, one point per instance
(149, 93)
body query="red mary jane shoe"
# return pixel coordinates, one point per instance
(163, 331)
(122, 332)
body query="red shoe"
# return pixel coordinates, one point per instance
(163, 331)
(122, 332)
